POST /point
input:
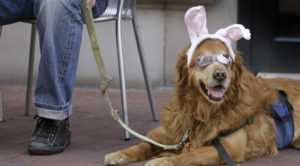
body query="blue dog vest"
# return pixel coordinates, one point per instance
(283, 118)
(282, 112)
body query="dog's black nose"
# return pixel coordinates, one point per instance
(219, 75)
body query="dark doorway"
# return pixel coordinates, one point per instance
(275, 29)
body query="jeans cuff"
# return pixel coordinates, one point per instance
(54, 114)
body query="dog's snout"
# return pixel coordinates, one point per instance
(219, 75)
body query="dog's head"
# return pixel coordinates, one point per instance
(209, 65)
(208, 73)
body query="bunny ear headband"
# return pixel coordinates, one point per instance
(195, 19)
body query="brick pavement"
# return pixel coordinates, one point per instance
(94, 132)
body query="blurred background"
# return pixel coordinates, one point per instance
(273, 49)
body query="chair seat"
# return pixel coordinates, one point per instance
(105, 18)
(110, 12)
(30, 21)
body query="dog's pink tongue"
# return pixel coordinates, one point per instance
(217, 93)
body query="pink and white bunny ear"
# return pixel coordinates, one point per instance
(195, 19)
(235, 32)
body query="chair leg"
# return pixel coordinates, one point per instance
(1, 107)
(30, 69)
(122, 80)
(145, 72)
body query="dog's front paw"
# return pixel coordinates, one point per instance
(160, 162)
(116, 158)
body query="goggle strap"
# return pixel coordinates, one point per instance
(193, 64)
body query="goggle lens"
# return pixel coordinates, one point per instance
(206, 60)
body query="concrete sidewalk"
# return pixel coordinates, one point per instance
(94, 132)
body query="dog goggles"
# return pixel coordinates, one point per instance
(206, 60)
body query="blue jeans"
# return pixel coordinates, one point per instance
(59, 24)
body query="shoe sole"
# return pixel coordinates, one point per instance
(47, 150)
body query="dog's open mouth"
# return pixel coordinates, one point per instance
(214, 93)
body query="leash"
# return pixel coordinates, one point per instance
(106, 79)
(220, 148)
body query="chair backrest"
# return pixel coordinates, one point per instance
(127, 12)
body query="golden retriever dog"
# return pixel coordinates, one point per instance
(211, 99)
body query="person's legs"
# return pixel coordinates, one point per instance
(59, 25)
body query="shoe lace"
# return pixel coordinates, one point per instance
(46, 128)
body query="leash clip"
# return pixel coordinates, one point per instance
(185, 138)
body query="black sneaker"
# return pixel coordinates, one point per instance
(50, 137)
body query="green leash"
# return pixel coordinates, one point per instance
(106, 79)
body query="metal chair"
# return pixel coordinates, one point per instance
(110, 14)
(29, 71)
(1, 106)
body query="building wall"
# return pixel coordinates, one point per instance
(163, 36)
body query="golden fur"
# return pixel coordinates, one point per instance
(246, 97)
